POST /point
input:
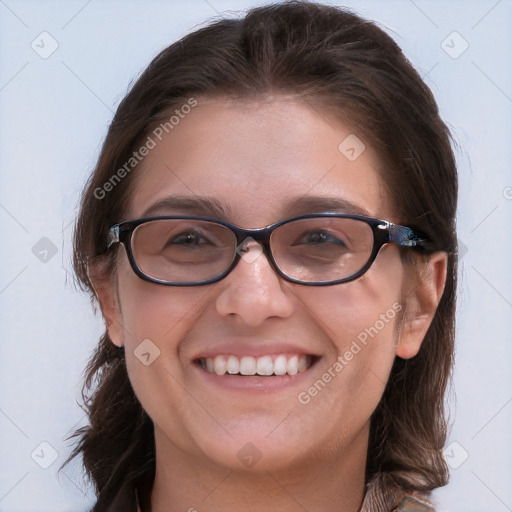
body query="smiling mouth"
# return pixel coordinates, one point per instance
(263, 366)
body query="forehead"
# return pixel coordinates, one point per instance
(257, 160)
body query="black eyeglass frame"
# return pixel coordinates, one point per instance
(383, 232)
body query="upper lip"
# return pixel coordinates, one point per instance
(253, 348)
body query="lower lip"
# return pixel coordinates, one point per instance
(254, 383)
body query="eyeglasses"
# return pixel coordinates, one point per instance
(317, 249)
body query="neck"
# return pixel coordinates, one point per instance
(332, 481)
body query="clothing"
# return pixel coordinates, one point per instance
(374, 501)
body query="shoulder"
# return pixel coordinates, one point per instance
(414, 504)
(380, 496)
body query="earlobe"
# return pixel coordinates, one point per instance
(107, 296)
(421, 301)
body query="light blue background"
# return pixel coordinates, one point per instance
(54, 115)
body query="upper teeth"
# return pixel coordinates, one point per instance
(279, 364)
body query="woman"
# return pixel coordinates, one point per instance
(270, 235)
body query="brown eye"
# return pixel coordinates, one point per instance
(319, 238)
(189, 240)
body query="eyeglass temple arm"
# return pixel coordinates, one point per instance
(113, 236)
(406, 237)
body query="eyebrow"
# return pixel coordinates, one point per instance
(321, 204)
(206, 206)
(211, 207)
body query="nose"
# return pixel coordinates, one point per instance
(253, 291)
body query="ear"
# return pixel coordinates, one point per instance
(421, 301)
(105, 289)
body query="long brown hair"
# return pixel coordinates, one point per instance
(344, 63)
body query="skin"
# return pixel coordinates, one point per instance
(257, 159)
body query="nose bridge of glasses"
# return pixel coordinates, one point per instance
(258, 241)
(245, 237)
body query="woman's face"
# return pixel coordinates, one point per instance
(261, 163)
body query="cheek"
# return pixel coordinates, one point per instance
(155, 319)
(364, 334)
(367, 308)
(156, 312)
